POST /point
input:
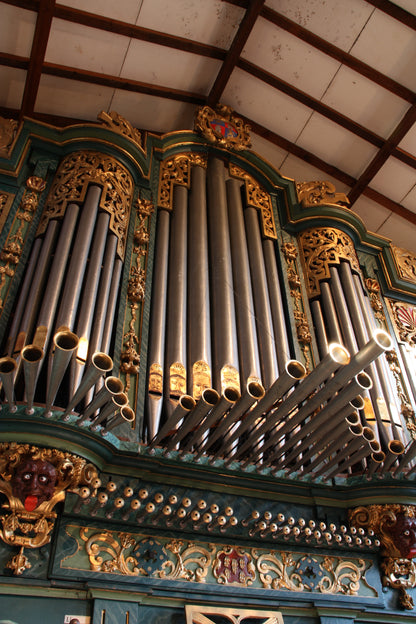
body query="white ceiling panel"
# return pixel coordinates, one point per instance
(86, 48)
(269, 152)
(70, 98)
(248, 95)
(388, 46)
(126, 10)
(409, 201)
(340, 23)
(301, 171)
(154, 113)
(213, 22)
(365, 102)
(289, 58)
(396, 179)
(336, 145)
(408, 142)
(16, 30)
(397, 230)
(170, 68)
(373, 214)
(12, 83)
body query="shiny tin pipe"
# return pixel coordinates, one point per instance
(8, 367)
(126, 415)
(355, 442)
(65, 343)
(224, 335)
(244, 305)
(111, 306)
(78, 263)
(112, 385)
(209, 399)
(320, 331)
(32, 357)
(116, 402)
(334, 331)
(101, 363)
(185, 405)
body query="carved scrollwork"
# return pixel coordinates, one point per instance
(322, 247)
(320, 193)
(75, 173)
(222, 127)
(176, 170)
(119, 124)
(405, 262)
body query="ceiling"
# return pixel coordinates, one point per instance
(327, 86)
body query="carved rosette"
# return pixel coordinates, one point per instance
(258, 198)
(28, 517)
(321, 248)
(130, 354)
(395, 524)
(222, 127)
(75, 173)
(13, 248)
(117, 123)
(317, 193)
(302, 326)
(177, 170)
(405, 262)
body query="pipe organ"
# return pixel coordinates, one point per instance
(221, 353)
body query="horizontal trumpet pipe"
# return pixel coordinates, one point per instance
(8, 367)
(356, 457)
(254, 392)
(395, 449)
(112, 385)
(116, 402)
(355, 442)
(126, 415)
(208, 400)
(184, 405)
(32, 357)
(65, 343)
(101, 363)
(408, 455)
(229, 397)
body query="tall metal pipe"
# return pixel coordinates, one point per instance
(52, 293)
(224, 335)
(264, 321)
(158, 323)
(111, 306)
(276, 303)
(8, 367)
(333, 328)
(65, 343)
(320, 330)
(78, 263)
(198, 313)
(32, 357)
(244, 305)
(175, 348)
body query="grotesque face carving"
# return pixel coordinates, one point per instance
(403, 533)
(34, 481)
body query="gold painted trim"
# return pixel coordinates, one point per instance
(177, 170)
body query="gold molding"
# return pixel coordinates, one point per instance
(258, 198)
(177, 170)
(222, 127)
(116, 122)
(320, 248)
(405, 262)
(320, 193)
(75, 173)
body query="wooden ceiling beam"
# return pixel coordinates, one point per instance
(233, 54)
(37, 56)
(383, 154)
(394, 10)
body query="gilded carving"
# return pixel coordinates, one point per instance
(230, 378)
(75, 173)
(13, 248)
(156, 379)
(405, 262)
(119, 124)
(395, 524)
(34, 480)
(302, 326)
(233, 566)
(320, 193)
(176, 170)
(404, 321)
(322, 247)
(6, 200)
(201, 378)
(197, 614)
(258, 198)
(8, 131)
(130, 356)
(222, 127)
(373, 288)
(177, 379)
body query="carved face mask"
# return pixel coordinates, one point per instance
(34, 482)
(404, 534)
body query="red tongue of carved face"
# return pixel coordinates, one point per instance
(411, 553)
(31, 502)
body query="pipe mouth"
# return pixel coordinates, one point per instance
(375, 447)
(66, 340)
(358, 402)
(102, 361)
(383, 339)
(120, 399)
(368, 434)
(364, 380)
(32, 353)
(378, 457)
(256, 390)
(353, 419)
(7, 365)
(231, 394)
(295, 369)
(396, 447)
(339, 353)
(187, 402)
(356, 429)
(114, 384)
(128, 413)
(210, 396)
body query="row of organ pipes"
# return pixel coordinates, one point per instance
(221, 378)
(217, 306)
